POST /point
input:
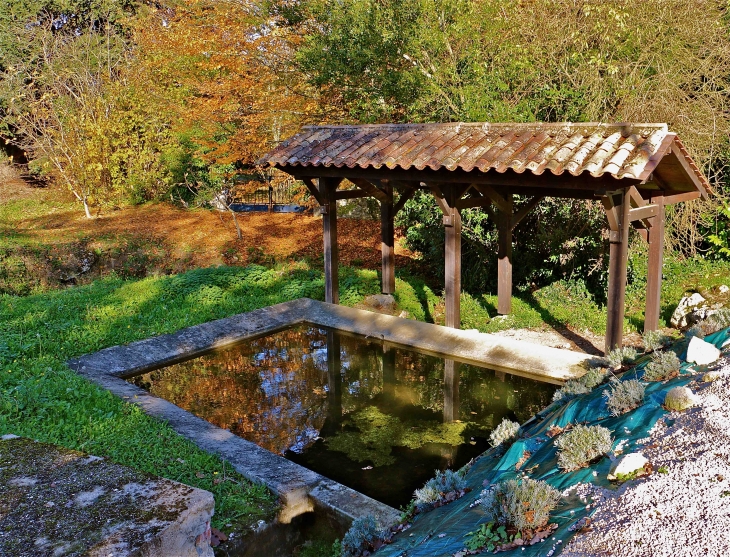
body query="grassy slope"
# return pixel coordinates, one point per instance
(42, 399)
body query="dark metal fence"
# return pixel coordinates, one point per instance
(279, 194)
(274, 196)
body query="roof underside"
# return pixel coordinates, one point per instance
(632, 152)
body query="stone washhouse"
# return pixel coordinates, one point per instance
(635, 170)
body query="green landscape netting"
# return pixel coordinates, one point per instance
(443, 531)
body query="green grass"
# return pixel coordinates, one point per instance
(567, 303)
(42, 399)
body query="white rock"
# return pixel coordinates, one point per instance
(8, 437)
(686, 305)
(627, 464)
(701, 352)
(723, 289)
(680, 398)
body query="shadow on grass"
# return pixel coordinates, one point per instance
(558, 325)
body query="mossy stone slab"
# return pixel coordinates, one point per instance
(54, 501)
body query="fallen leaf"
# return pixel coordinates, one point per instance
(220, 536)
(200, 474)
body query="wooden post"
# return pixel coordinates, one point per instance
(451, 390)
(452, 290)
(504, 262)
(334, 385)
(327, 188)
(387, 234)
(654, 269)
(388, 374)
(617, 208)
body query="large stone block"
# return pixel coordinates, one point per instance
(54, 501)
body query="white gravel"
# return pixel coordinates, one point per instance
(685, 512)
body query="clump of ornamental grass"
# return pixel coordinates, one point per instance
(664, 365)
(655, 340)
(445, 487)
(619, 357)
(365, 535)
(581, 445)
(584, 384)
(623, 396)
(505, 431)
(523, 504)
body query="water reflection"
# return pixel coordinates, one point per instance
(377, 418)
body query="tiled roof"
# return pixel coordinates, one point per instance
(621, 150)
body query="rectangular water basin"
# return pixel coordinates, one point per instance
(366, 413)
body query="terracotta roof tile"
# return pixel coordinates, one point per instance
(621, 150)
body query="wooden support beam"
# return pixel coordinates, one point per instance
(654, 268)
(444, 176)
(452, 251)
(471, 202)
(351, 194)
(488, 191)
(372, 189)
(504, 256)
(314, 190)
(645, 212)
(525, 209)
(617, 207)
(327, 187)
(453, 268)
(404, 197)
(387, 245)
(440, 200)
(681, 197)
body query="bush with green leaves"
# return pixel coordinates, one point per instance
(581, 445)
(362, 536)
(434, 490)
(623, 396)
(655, 340)
(488, 537)
(664, 365)
(584, 384)
(505, 431)
(618, 357)
(524, 504)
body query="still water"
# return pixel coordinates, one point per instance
(374, 417)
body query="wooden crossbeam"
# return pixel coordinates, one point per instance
(444, 176)
(404, 197)
(351, 194)
(370, 188)
(440, 199)
(488, 191)
(635, 197)
(681, 197)
(314, 190)
(476, 201)
(643, 213)
(524, 210)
